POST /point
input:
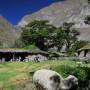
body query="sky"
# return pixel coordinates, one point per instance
(14, 10)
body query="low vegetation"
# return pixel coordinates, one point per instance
(19, 73)
(30, 47)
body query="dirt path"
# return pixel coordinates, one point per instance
(25, 86)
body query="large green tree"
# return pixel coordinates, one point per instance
(45, 35)
(66, 35)
(40, 33)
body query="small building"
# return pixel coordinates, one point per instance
(85, 51)
(22, 55)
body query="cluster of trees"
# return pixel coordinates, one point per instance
(44, 35)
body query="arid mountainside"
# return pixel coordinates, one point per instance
(59, 12)
(8, 34)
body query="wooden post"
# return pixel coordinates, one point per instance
(13, 56)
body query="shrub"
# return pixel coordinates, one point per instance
(80, 72)
(66, 70)
(32, 46)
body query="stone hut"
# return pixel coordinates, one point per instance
(23, 55)
(85, 51)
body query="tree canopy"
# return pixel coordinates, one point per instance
(40, 33)
(46, 36)
(66, 35)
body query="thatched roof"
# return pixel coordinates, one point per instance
(33, 51)
(87, 47)
(12, 50)
(58, 54)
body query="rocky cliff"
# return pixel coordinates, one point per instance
(8, 34)
(59, 12)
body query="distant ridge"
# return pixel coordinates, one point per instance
(60, 12)
(8, 34)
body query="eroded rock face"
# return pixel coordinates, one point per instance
(60, 12)
(8, 34)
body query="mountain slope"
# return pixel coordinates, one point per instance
(8, 33)
(60, 12)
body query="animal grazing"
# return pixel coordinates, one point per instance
(46, 80)
(69, 83)
(51, 80)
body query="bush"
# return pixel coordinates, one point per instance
(32, 46)
(66, 70)
(80, 72)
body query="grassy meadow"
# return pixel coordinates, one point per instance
(16, 73)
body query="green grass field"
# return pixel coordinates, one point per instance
(12, 74)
